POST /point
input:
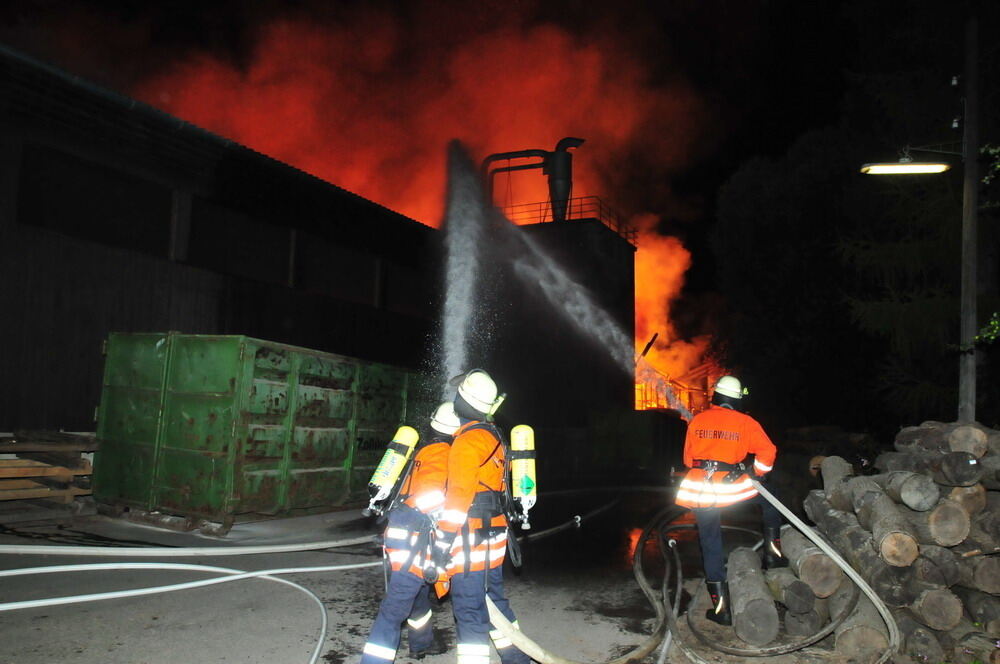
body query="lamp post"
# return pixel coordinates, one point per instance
(970, 206)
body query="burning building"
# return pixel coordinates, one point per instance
(123, 218)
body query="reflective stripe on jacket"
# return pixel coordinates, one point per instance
(409, 527)
(476, 464)
(726, 435)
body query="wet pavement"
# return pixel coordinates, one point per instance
(575, 593)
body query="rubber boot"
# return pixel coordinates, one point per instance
(436, 649)
(719, 613)
(773, 557)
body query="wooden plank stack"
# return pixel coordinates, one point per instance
(924, 532)
(42, 474)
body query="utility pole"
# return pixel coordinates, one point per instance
(970, 205)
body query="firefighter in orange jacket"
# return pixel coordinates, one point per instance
(407, 543)
(717, 443)
(473, 526)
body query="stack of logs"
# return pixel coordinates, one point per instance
(924, 533)
(808, 590)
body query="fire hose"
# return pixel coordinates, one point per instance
(161, 552)
(179, 552)
(232, 575)
(229, 574)
(665, 616)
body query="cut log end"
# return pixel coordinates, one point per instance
(758, 623)
(918, 492)
(939, 609)
(971, 498)
(985, 573)
(802, 624)
(945, 525)
(861, 643)
(755, 616)
(968, 439)
(821, 574)
(899, 549)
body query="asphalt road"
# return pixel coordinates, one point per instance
(575, 594)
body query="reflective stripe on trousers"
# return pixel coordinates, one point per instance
(483, 550)
(407, 598)
(472, 622)
(500, 641)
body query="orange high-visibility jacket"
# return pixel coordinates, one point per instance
(726, 435)
(425, 485)
(476, 465)
(424, 490)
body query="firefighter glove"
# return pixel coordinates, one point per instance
(441, 549)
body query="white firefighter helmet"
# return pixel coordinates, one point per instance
(479, 391)
(729, 386)
(444, 420)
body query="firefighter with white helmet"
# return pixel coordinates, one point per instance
(717, 446)
(473, 534)
(407, 546)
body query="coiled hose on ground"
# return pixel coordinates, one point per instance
(666, 616)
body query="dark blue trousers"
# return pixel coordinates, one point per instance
(407, 598)
(709, 520)
(472, 620)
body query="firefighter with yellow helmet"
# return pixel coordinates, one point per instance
(473, 537)
(716, 450)
(408, 544)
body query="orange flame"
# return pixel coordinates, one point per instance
(660, 264)
(633, 541)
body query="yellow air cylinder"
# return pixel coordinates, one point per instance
(524, 488)
(393, 461)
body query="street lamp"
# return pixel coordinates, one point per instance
(905, 166)
(970, 205)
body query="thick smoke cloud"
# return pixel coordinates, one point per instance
(363, 106)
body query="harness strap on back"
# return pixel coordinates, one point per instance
(423, 538)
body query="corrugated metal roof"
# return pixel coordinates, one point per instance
(39, 96)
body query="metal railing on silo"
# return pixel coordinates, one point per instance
(577, 209)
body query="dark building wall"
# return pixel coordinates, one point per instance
(65, 287)
(115, 217)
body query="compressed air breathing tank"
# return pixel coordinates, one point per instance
(393, 461)
(523, 488)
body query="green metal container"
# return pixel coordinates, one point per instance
(216, 426)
